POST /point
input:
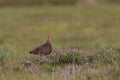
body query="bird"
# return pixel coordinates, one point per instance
(44, 49)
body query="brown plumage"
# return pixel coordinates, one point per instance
(44, 49)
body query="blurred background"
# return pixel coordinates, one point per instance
(53, 2)
(25, 24)
(88, 25)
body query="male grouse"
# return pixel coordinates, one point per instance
(44, 49)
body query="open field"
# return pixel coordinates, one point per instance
(92, 30)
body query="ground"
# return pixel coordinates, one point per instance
(95, 29)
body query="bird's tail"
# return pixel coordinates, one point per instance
(31, 52)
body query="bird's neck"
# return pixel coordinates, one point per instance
(48, 41)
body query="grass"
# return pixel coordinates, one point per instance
(94, 31)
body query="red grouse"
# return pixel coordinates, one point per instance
(44, 49)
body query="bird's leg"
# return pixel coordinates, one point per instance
(41, 59)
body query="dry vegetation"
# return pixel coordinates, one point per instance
(86, 42)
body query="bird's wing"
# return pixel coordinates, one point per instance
(39, 49)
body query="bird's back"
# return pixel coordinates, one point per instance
(45, 49)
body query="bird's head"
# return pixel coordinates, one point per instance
(49, 38)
